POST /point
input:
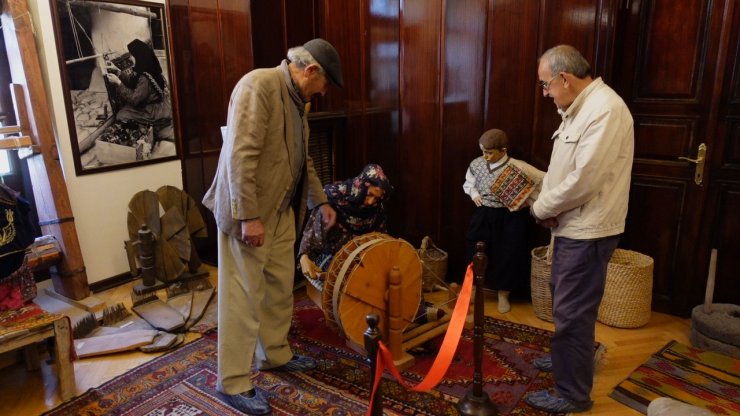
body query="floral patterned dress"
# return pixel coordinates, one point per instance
(353, 217)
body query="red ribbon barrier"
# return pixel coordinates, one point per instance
(446, 351)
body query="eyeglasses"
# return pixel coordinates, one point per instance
(546, 85)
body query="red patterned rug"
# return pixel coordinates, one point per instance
(183, 382)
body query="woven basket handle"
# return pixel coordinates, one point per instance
(424, 244)
(550, 248)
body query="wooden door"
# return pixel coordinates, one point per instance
(669, 66)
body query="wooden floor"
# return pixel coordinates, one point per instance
(33, 392)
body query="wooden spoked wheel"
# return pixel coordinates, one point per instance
(356, 284)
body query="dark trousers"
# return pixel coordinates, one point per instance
(506, 235)
(577, 284)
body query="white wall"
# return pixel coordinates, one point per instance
(100, 200)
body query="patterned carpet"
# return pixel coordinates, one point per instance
(183, 382)
(701, 378)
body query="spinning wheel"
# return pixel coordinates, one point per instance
(357, 283)
(173, 218)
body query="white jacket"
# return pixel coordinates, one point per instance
(587, 183)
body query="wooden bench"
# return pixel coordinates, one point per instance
(24, 327)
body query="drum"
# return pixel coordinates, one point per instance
(357, 281)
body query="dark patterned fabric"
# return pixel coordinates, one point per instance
(352, 218)
(16, 231)
(347, 198)
(17, 289)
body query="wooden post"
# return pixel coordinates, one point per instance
(49, 188)
(477, 402)
(372, 338)
(395, 322)
(62, 358)
(401, 358)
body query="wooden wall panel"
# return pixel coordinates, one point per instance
(512, 71)
(656, 234)
(300, 20)
(347, 38)
(727, 243)
(234, 21)
(662, 73)
(381, 95)
(418, 190)
(664, 137)
(463, 121)
(382, 62)
(268, 20)
(732, 152)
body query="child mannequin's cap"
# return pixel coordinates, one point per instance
(493, 139)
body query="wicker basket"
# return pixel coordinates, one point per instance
(540, 283)
(434, 262)
(628, 291)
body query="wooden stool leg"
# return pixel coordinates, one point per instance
(31, 356)
(65, 368)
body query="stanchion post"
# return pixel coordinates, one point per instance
(476, 401)
(372, 338)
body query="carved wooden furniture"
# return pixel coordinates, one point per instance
(24, 327)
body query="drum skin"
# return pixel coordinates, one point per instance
(357, 284)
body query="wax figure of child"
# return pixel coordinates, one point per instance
(505, 232)
(359, 204)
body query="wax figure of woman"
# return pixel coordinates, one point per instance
(359, 205)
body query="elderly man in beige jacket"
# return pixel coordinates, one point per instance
(264, 182)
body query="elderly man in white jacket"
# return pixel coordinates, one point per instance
(584, 202)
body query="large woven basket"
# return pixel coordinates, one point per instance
(540, 283)
(434, 264)
(628, 291)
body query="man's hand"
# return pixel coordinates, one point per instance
(547, 222)
(477, 200)
(328, 215)
(253, 232)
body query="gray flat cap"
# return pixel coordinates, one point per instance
(328, 58)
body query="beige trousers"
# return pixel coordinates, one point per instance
(255, 303)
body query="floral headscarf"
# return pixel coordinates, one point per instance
(347, 198)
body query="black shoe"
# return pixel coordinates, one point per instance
(543, 364)
(297, 363)
(543, 400)
(252, 402)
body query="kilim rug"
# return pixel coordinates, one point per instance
(700, 378)
(183, 381)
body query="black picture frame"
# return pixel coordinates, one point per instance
(119, 83)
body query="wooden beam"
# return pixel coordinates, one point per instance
(10, 143)
(49, 188)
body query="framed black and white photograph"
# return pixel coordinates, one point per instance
(118, 82)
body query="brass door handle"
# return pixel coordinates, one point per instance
(699, 161)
